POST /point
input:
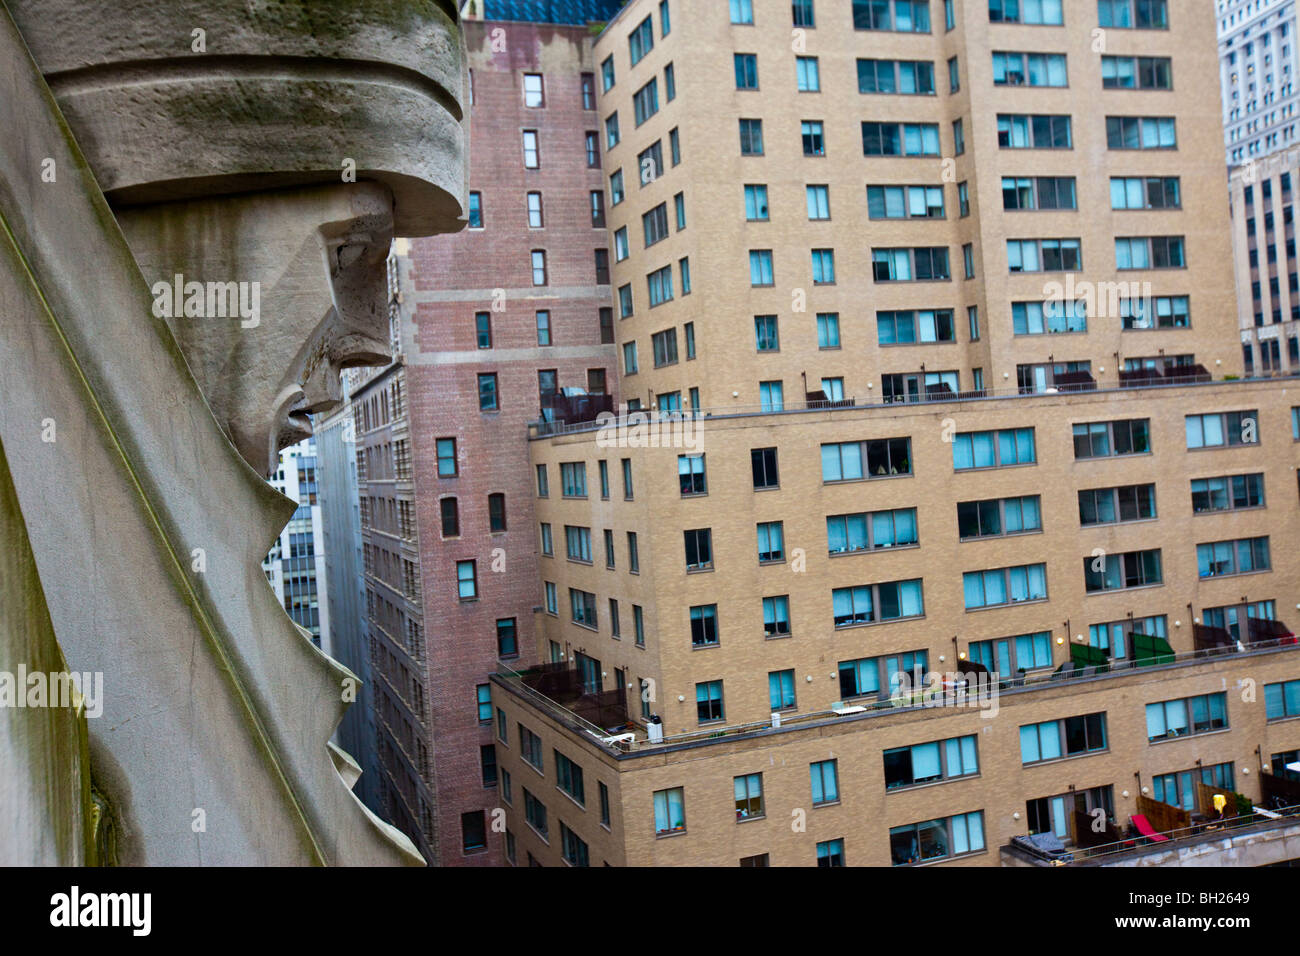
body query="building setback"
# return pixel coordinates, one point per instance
(762, 610)
(935, 309)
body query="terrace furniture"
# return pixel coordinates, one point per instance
(1045, 846)
(1144, 827)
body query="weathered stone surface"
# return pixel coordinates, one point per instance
(282, 94)
(45, 778)
(317, 258)
(146, 526)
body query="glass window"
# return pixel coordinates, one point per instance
(742, 11)
(825, 781)
(670, 811)
(466, 580)
(780, 685)
(807, 76)
(749, 796)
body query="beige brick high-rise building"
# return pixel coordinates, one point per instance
(933, 303)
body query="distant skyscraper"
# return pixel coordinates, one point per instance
(345, 591)
(1262, 198)
(1257, 75)
(295, 566)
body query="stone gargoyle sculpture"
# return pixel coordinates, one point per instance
(196, 202)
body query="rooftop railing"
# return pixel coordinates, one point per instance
(1257, 819)
(557, 710)
(976, 692)
(1144, 379)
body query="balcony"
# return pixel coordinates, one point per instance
(561, 689)
(819, 399)
(1162, 835)
(1170, 375)
(1074, 382)
(570, 408)
(1088, 661)
(1217, 640)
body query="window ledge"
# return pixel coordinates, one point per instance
(1112, 524)
(892, 547)
(1021, 534)
(892, 620)
(994, 607)
(1137, 587)
(908, 345)
(945, 859)
(908, 788)
(1019, 464)
(572, 799)
(1195, 733)
(1234, 574)
(1250, 444)
(1130, 454)
(853, 481)
(1052, 760)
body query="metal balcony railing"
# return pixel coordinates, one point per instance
(974, 693)
(1256, 820)
(1142, 378)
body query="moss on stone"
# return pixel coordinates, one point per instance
(339, 19)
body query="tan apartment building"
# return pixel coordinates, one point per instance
(1013, 532)
(820, 229)
(912, 284)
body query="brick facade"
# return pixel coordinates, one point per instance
(446, 282)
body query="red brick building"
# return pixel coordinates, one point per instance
(493, 320)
